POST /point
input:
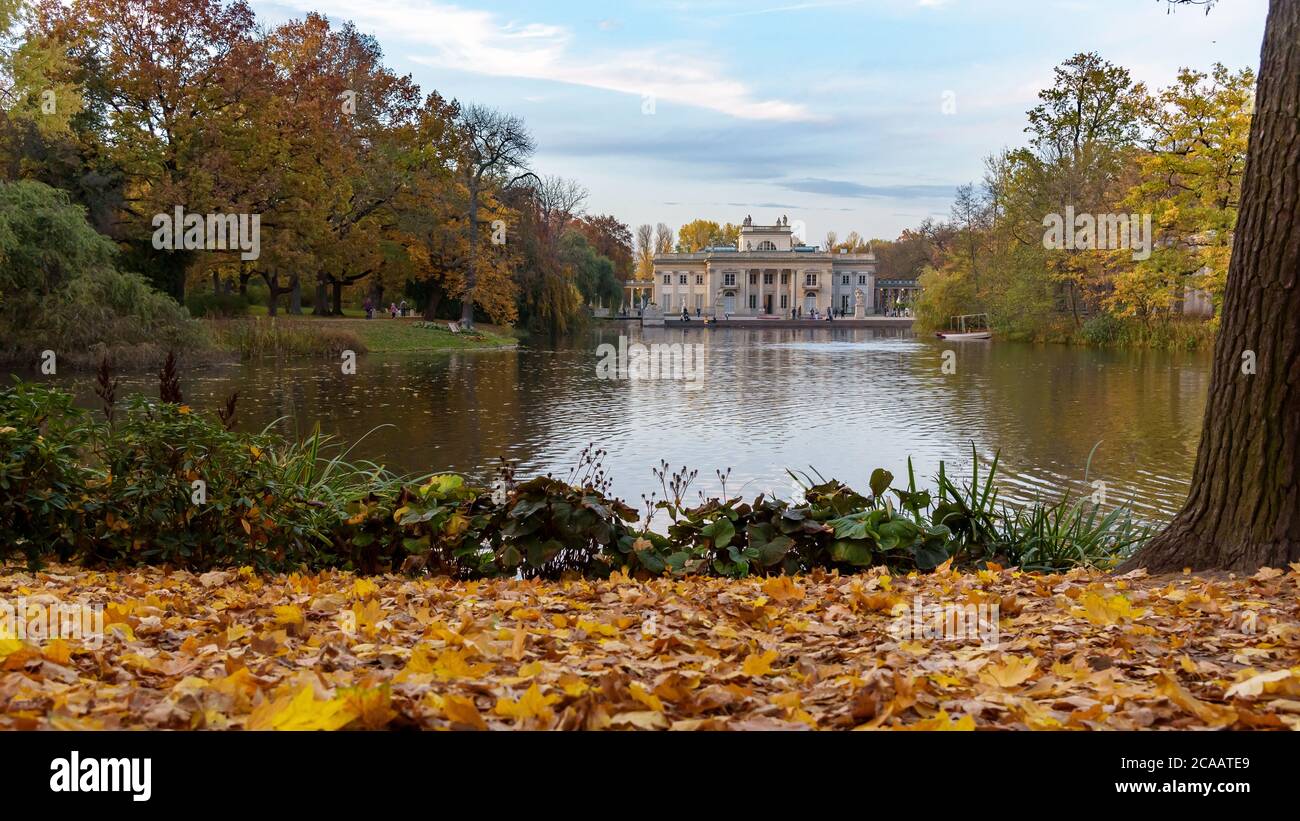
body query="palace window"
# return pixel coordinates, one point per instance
(769, 278)
(668, 279)
(785, 300)
(728, 279)
(682, 279)
(844, 280)
(753, 301)
(766, 245)
(699, 279)
(753, 279)
(785, 278)
(809, 279)
(862, 279)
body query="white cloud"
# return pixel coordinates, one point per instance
(484, 43)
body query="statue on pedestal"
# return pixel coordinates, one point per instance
(859, 305)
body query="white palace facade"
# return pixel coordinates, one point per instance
(766, 274)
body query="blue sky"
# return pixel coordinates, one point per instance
(829, 111)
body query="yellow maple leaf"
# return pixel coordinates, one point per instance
(10, 646)
(462, 710)
(942, 721)
(532, 704)
(373, 705)
(1284, 682)
(573, 685)
(1098, 609)
(756, 665)
(364, 588)
(646, 697)
(1013, 671)
(782, 589)
(58, 651)
(288, 615)
(303, 711)
(1212, 714)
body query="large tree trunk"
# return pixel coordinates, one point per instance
(1244, 507)
(321, 306)
(431, 304)
(336, 300)
(295, 295)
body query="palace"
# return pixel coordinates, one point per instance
(766, 274)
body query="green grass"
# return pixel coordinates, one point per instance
(412, 335)
(311, 335)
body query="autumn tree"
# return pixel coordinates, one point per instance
(495, 147)
(1190, 182)
(1080, 132)
(611, 239)
(645, 251)
(1243, 509)
(168, 86)
(697, 235)
(663, 239)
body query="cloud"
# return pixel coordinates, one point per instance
(483, 42)
(855, 190)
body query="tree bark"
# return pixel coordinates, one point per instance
(295, 295)
(431, 304)
(1243, 510)
(321, 306)
(336, 301)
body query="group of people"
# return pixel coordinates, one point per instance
(395, 309)
(814, 314)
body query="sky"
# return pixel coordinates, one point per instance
(841, 115)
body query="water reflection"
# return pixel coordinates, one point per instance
(840, 400)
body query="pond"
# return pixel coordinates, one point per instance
(839, 401)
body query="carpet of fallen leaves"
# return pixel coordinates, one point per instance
(1082, 650)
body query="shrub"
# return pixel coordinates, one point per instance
(160, 484)
(62, 291)
(42, 478)
(207, 304)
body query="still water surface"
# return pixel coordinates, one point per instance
(843, 401)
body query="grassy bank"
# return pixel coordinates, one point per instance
(328, 336)
(1100, 331)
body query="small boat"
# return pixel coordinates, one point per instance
(968, 326)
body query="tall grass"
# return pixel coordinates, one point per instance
(1070, 532)
(272, 337)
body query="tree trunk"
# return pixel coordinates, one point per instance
(1243, 510)
(295, 295)
(336, 301)
(471, 275)
(432, 303)
(321, 306)
(273, 296)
